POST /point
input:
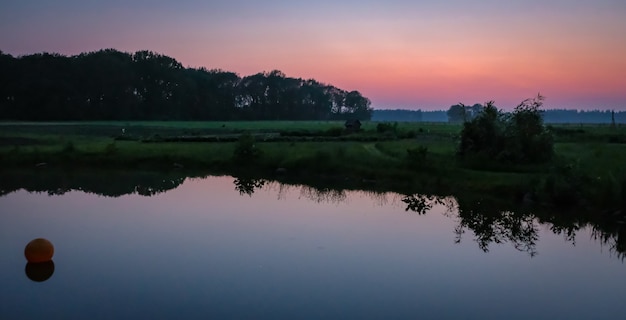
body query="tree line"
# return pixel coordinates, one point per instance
(114, 85)
(460, 113)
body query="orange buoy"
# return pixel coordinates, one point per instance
(39, 250)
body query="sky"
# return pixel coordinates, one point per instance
(427, 54)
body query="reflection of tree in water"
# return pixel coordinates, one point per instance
(488, 225)
(420, 203)
(379, 198)
(491, 223)
(329, 195)
(612, 235)
(608, 227)
(248, 185)
(320, 195)
(568, 231)
(158, 187)
(111, 183)
(506, 226)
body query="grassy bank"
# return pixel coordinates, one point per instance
(406, 157)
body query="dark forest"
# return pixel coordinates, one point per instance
(113, 85)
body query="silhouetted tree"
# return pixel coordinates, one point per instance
(517, 137)
(113, 85)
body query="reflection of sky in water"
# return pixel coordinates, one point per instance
(203, 250)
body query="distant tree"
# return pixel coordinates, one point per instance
(357, 106)
(473, 111)
(460, 113)
(7, 83)
(397, 115)
(434, 116)
(456, 113)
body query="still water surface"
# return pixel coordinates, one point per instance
(204, 250)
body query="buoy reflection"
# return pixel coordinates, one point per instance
(39, 271)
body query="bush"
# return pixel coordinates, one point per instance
(528, 139)
(517, 137)
(484, 135)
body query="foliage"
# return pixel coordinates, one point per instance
(527, 138)
(484, 135)
(517, 137)
(113, 85)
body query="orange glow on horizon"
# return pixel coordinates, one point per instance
(397, 53)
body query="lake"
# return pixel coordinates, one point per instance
(225, 248)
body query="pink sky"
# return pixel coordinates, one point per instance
(400, 54)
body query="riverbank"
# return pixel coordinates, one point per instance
(407, 158)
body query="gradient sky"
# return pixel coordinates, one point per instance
(425, 54)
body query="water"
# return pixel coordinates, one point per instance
(204, 250)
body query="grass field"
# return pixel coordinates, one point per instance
(413, 156)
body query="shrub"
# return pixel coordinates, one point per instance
(484, 135)
(528, 140)
(517, 137)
